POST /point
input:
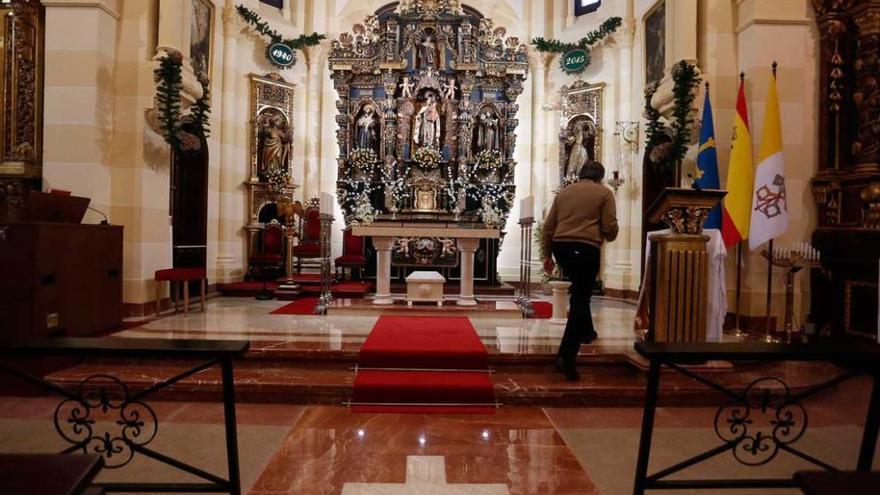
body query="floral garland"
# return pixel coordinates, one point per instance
(489, 160)
(263, 28)
(397, 187)
(665, 155)
(169, 83)
(352, 195)
(427, 158)
(279, 180)
(607, 27)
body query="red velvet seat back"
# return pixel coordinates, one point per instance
(352, 244)
(273, 239)
(312, 225)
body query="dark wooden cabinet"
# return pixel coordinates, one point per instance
(58, 278)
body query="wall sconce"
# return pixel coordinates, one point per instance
(626, 142)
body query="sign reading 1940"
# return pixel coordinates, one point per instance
(281, 55)
(574, 61)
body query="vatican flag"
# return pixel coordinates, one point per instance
(737, 204)
(769, 206)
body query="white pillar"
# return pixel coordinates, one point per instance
(228, 160)
(560, 302)
(626, 194)
(312, 172)
(538, 156)
(383, 270)
(467, 248)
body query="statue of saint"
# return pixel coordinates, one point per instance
(487, 132)
(577, 155)
(275, 138)
(428, 54)
(368, 130)
(449, 89)
(406, 87)
(426, 129)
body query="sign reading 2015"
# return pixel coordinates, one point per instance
(281, 55)
(575, 61)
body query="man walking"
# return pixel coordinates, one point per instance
(582, 217)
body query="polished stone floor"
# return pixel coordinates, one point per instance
(295, 449)
(249, 319)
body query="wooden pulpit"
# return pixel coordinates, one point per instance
(680, 265)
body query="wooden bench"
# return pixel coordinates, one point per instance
(180, 276)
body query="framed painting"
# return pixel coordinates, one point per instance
(655, 43)
(201, 31)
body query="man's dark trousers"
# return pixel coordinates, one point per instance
(580, 263)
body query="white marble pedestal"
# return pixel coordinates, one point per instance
(384, 233)
(560, 302)
(424, 287)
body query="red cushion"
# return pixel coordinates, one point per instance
(307, 249)
(312, 227)
(273, 239)
(351, 259)
(266, 258)
(179, 274)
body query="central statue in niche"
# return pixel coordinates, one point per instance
(426, 128)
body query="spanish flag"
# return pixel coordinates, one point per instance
(769, 205)
(740, 177)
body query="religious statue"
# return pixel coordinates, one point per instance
(448, 247)
(367, 136)
(449, 89)
(426, 129)
(406, 87)
(428, 53)
(403, 246)
(577, 156)
(275, 139)
(487, 131)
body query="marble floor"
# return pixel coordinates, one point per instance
(316, 449)
(249, 319)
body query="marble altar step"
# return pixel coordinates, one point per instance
(603, 383)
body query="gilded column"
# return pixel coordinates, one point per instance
(866, 147)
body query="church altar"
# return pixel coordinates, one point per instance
(427, 119)
(391, 236)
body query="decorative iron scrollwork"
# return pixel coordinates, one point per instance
(763, 421)
(103, 419)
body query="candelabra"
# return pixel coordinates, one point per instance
(326, 296)
(525, 268)
(793, 259)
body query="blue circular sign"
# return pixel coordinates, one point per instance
(281, 55)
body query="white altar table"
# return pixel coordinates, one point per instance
(384, 233)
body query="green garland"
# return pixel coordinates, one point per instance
(607, 27)
(169, 83)
(263, 28)
(685, 81)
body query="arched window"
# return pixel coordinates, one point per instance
(582, 7)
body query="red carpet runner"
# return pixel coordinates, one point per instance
(302, 306)
(427, 364)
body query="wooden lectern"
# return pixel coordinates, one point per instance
(680, 265)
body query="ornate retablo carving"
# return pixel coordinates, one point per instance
(20, 40)
(443, 81)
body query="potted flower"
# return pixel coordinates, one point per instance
(364, 161)
(428, 158)
(488, 160)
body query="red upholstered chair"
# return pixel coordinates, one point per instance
(353, 255)
(271, 256)
(180, 276)
(310, 236)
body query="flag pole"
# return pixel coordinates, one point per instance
(736, 331)
(769, 337)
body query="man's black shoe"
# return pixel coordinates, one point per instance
(589, 338)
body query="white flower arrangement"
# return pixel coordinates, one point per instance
(427, 158)
(490, 215)
(279, 180)
(364, 160)
(489, 160)
(364, 213)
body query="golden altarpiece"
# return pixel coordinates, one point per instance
(427, 119)
(21, 40)
(270, 180)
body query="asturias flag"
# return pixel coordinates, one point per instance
(769, 208)
(737, 212)
(707, 162)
